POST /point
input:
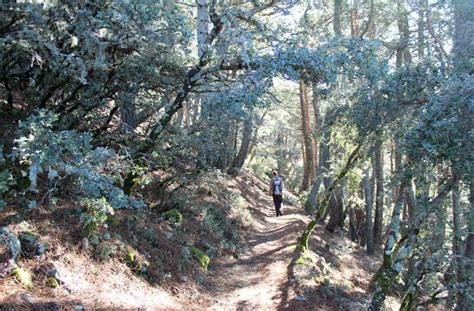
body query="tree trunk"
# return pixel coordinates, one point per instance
(463, 47)
(379, 178)
(128, 117)
(468, 269)
(368, 212)
(316, 113)
(239, 160)
(321, 210)
(457, 242)
(325, 167)
(202, 25)
(309, 168)
(403, 53)
(253, 142)
(337, 18)
(421, 30)
(336, 210)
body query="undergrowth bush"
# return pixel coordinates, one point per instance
(240, 206)
(95, 215)
(66, 153)
(6, 180)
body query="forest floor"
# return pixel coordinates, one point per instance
(268, 273)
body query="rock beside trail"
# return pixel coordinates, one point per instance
(30, 245)
(12, 243)
(25, 244)
(51, 272)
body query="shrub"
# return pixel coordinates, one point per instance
(106, 250)
(95, 216)
(173, 216)
(136, 263)
(62, 154)
(240, 206)
(6, 180)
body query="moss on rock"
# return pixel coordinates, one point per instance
(201, 257)
(52, 282)
(24, 277)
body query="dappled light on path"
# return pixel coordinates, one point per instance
(261, 277)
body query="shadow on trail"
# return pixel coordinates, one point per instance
(286, 302)
(262, 267)
(274, 235)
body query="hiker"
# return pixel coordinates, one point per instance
(276, 189)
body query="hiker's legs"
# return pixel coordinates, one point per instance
(275, 203)
(277, 199)
(280, 200)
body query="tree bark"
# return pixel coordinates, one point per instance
(403, 53)
(468, 268)
(309, 168)
(325, 167)
(202, 25)
(128, 117)
(457, 241)
(321, 210)
(337, 18)
(368, 212)
(316, 113)
(421, 29)
(379, 178)
(253, 142)
(463, 47)
(336, 209)
(239, 160)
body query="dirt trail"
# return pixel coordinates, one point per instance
(261, 277)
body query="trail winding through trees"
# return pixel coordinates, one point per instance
(261, 278)
(267, 276)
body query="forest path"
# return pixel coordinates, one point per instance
(261, 278)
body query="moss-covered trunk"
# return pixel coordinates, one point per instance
(320, 212)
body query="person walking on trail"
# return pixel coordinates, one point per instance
(276, 189)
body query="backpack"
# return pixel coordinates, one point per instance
(277, 186)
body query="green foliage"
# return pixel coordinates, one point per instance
(106, 250)
(303, 258)
(201, 257)
(240, 206)
(64, 155)
(238, 202)
(135, 262)
(173, 216)
(130, 257)
(6, 181)
(95, 215)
